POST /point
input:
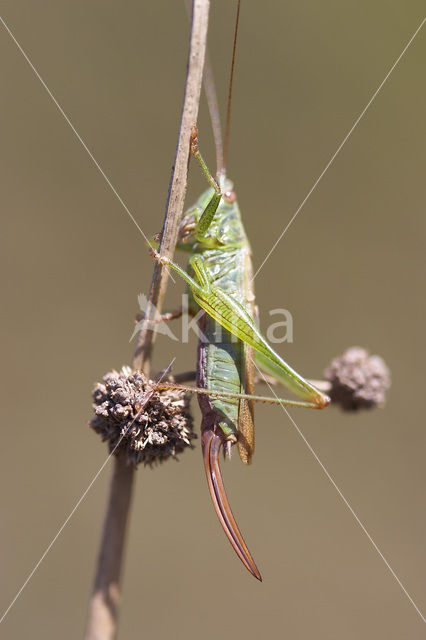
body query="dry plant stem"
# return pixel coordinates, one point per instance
(104, 603)
(177, 188)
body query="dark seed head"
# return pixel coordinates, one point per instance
(146, 425)
(358, 380)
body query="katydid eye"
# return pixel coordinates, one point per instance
(229, 196)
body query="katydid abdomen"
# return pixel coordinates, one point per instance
(218, 369)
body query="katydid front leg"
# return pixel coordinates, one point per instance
(229, 313)
(210, 210)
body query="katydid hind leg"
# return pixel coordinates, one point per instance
(236, 319)
(291, 380)
(241, 396)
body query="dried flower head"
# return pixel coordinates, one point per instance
(147, 425)
(358, 380)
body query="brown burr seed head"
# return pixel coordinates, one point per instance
(147, 432)
(358, 380)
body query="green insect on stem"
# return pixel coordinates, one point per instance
(220, 282)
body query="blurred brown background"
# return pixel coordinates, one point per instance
(350, 269)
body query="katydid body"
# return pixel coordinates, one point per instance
(219, 279)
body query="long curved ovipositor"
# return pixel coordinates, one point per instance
(211, 444)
